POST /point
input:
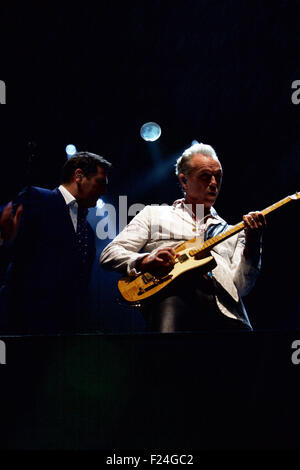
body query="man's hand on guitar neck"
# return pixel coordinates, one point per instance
(254, 225)
(163, 259)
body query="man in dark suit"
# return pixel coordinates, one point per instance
(46, 283)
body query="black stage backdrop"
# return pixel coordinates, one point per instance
(220, 72)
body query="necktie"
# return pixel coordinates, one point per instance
(82, 238)
(82, 275)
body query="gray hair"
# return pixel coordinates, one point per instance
(182, 164)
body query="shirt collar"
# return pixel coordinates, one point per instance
(68, 197)
(180, 204)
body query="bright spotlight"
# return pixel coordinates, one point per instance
(150, 131)
(100, 204)
(70, 150)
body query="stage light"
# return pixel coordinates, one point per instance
(70, 150)
(100, 204)
(194, 142)
(150, 131)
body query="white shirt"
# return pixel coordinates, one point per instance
(156, 227)
(72, 203)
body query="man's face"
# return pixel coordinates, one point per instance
(92, 188)
(203, 181)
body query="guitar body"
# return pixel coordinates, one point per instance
(136, 289)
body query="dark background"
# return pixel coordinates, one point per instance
(217, 71)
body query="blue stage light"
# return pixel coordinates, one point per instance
(100, 204)
(150, 131)
(70, 150)
(194, 142)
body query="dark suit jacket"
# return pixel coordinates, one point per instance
(45, 288)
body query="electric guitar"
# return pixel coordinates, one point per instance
(189, 256)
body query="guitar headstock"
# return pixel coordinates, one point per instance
(295, 196)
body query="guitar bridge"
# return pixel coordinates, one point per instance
(155, 283)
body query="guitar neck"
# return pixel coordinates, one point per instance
(209, 244)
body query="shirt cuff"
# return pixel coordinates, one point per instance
(131, 268)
